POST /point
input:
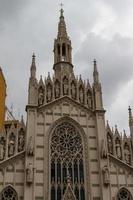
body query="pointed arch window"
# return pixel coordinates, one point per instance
(66, 157)
(8, 193)
(124, 194)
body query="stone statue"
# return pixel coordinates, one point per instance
(65, 87)
(73, 91)
(57, 90)
(110, 144)
(21, 142)
(89, 100)
(103, 149)
(81, 95)
(30, 147)
(2, 151)
(11, 147)
(118, 149)
(105, 172)
(49, 93)
(40, 98)
(29, 174)
(127, 155)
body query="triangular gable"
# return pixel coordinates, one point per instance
(69, 194)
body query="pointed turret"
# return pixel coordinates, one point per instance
(33, 67)
(95, 73)
(2, 99)
(33, 84)
(130, 123)
(97, 88)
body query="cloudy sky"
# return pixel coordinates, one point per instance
(101, 29)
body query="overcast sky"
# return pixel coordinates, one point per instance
(101, 29)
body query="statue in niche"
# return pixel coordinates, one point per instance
(127, 154)
(21, 141)
(89, 100)
(110, 144)
(2, 149)
(40, 97)
(65, 86)
(11, 145)
(118, 149)
(30, 147)
(49, 93)
(105, 172)
(57, 90)
(103, 149)
(81, 95)
(29, 173)
(73, 91)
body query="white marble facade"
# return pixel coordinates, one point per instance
(65, 152)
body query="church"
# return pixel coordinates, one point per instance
(65, 151)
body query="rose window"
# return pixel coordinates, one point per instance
(124, 195)
(66, 158)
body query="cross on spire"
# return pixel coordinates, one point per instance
(61, 10)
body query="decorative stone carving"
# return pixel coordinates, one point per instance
(124, 194)
(118, 148)
(29, 173)
(21, 140)
(105, 172)
(65, 86)
(73, 90)
(127, 154)
(57, 90)
(81, 95)
(89, 100)
(11, 145)
(2, 148)
(40, 97)
(103, 149)
(8, 193)
(110, 143)
(49, 93)
(30, 147)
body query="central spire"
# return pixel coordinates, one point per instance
(62, 45)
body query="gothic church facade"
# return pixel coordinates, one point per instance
(65, 152)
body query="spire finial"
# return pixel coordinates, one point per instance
(61, 10)
(95, 72)
(130, 115)
(33, 66)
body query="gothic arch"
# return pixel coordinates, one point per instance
(8, 193)
(80, 130)
(124, 194)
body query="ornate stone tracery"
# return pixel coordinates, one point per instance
(124, 194)
(66, 157)
(8, 193)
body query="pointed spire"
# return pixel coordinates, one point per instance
(62, 25)
(130, 115)
(33, 67)
(95, 72)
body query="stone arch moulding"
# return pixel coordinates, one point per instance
(123, 194)
(85, 150)
(8, 192)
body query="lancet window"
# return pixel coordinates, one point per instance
(124, 194)
(66, 159)
(8, 194)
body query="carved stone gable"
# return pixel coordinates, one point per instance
(69, 194)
